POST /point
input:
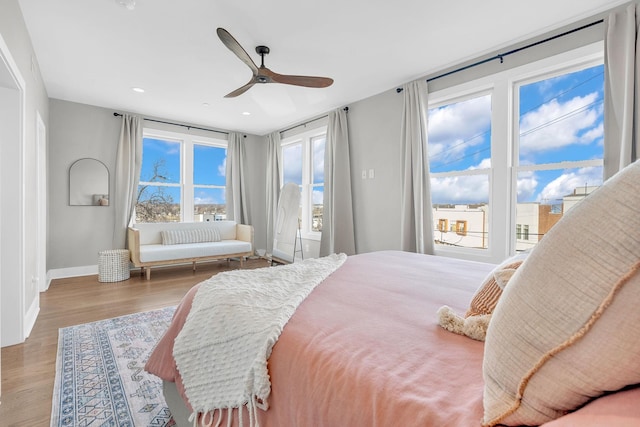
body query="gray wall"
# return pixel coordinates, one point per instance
(374, 137)
(78, 233)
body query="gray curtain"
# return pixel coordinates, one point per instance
(235, 191)
(337, 212)
(416, 234)
(274, 166)
(127, 177)
(621, 79)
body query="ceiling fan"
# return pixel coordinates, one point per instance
(262, 74)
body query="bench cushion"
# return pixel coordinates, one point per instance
(151, 233)
(190, 235)
(160, 252)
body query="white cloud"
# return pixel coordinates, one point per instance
(526, 186)
(317, 197)
(456, 127)
(222, 169)
(484, 164)
(460, 189)
(555, 125)
(566, 183)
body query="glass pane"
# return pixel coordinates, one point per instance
(461, 211)
(561, 118)
(160, 161)
(460, 135)
(544, 196)
(318, 160)
(158, 204)
(209, 204)
(292, 163)
(209, 165)
(316, 211)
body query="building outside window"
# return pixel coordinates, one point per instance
(182, 178)
(520, 147)
(303, 164)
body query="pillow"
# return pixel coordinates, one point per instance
(567, 328)
(476, 320)
(486, 297)
(190, 235)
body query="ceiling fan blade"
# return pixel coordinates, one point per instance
(235, 47)
(241, 90)
(307, 81)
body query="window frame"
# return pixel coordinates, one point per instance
(306, 139)
(186, 185)
(503, 87)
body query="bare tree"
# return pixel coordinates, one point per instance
(153, 203)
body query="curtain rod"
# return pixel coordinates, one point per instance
(501, 56)
(346, 110)
(179, 124)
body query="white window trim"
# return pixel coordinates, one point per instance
(305, 139)
(186, 185)
(504, 152)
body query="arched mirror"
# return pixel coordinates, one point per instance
(88, 183)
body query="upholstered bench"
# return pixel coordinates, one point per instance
(155, 244)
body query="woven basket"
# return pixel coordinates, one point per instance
(113, 265)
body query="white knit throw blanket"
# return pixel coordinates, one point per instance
(235, 319)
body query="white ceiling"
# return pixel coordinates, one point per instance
(94, 51)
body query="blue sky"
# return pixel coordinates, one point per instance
(209, 168)
(561, 119)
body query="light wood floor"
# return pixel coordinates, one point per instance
(28, 370)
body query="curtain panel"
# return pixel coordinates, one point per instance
(274, 166)
(621, 80)
(127, 177)
(235, 191)
(337, 212)
(416, 223)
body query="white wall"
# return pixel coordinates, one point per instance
(22, 101)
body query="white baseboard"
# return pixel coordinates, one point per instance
(31, 316)
(63, 273)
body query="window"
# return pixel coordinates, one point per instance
(303, 164)
(522, 232)
(512, 152)
(560, 150)
(460, 162)
(461, 228)
(182, 178)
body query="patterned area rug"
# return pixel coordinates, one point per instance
(100, 379)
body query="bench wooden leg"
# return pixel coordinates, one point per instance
(148, 272)
(194, 266)
(241, 262)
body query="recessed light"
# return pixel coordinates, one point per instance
(246, 113)
(137, 89)
(205, 104)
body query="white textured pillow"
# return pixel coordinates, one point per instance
(567, 328)
(190, 235)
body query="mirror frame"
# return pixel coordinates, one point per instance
(88, 183)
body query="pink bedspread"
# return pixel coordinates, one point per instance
(365, 349)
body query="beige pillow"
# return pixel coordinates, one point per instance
(486, 297)
(567, 328)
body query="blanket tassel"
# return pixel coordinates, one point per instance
(209, 417)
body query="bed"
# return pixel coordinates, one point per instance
(364, 347)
